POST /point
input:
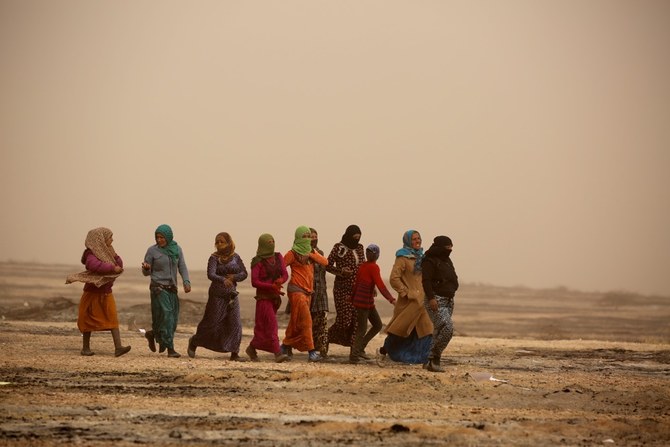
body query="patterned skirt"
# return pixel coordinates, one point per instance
(342, 332)
(320, 331)
(220, 329)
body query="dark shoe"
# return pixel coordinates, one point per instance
(434, 365)
(427, 362)
(118, 352)
(364, 356)
(174, 354)
(281, 357)
(354, 360)
(235, 357)
(287, 350)
(251, 352)
(87, 352)
(191, 348)
(161, 348)
(149, 335)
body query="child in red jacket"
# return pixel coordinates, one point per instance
(363, 298)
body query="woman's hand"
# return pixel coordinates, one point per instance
(347, 272)
(277, 287)
(146, 266)
(432, 304)
(187, 288)
(117, 269)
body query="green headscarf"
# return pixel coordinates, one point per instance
(302, 245)
(171, 249)
(266, 248)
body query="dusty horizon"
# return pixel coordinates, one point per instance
(534, 134)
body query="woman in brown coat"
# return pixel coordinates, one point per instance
(409, 333)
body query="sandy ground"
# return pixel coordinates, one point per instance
(526, 367)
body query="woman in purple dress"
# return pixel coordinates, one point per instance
(221, 327)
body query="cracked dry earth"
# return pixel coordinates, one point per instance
(494, 392)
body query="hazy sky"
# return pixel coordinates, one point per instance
(536, 134)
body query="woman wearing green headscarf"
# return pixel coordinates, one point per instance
(301, 259)
(162, 262)
(268, 273)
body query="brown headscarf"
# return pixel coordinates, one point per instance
(226, 253)
(96, 242)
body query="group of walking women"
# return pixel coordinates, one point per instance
(419, 331)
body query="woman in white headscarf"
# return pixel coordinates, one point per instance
(97, 308)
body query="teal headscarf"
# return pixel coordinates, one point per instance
(409, 252)
(302, 245)
(171, 249)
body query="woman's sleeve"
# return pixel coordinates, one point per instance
(332, 266)
(453, 276)
(360, 255)
(242, 274)
(396, 277)
(181, 266)
(94, 264)
(284, 271)
(377, 278)
(211, 270)
(256, 277)
(318, 258)
(149, 260)
(427, 274)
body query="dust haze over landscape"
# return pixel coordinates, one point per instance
(534, 134)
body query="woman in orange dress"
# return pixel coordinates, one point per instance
(97, 308)
(300, 288)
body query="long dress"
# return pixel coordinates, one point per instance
(263, 275)
(300, 288)
(220, 329)
(410, 329)
(343, 331)
(319, 309)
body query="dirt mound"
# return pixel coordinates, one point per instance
(64, 309)
(51, 309)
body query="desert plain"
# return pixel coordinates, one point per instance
(526, 367)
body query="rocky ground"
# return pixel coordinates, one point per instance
(525, 368)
